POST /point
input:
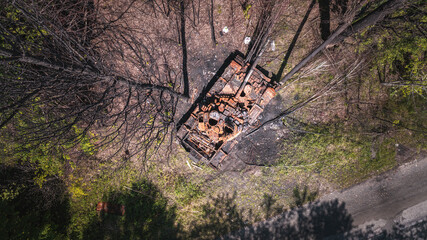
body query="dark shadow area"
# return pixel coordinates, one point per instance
(325, 19)
(302, 197)
(339, 6)
(184, 52)
(28, 211)
(219, 217)
(294, 41)
(316, 220)
(202, 95)
(258, 149)
(147, 216)
(201, 99)
(211, 23)
(417, 230)
(269, 206)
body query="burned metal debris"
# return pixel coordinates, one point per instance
(110, 208)
(231, 107)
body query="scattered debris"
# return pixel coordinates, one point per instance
(194, 165)
(110, 208)
(247, 40)
(188, 163)
(225, 29)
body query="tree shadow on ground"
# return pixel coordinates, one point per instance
(417, 230)
(269, 206)
(325, 19)
(302, 197)
(202, 96)
(316, 220)
(219, 217)
(147, 216)
(30, 211)
(321, 220)
(294, 41)
(313, 221)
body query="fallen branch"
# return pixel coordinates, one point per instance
(371, 19)
(347, 27)
(328, 87)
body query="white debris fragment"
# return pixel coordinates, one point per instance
(273, 46)
(247, 40)
(225, 29)
(194, 165)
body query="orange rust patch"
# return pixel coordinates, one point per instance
(207, 134)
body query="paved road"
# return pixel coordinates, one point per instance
(396, 197)
(387, 196)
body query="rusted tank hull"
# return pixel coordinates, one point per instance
(231, 107)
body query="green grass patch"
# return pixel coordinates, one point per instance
(186, 191)
(344, 158)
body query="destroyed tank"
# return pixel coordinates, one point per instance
(230, 107)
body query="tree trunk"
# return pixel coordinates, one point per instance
(371, 19)
(313, 54)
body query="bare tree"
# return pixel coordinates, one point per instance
(69, 65)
